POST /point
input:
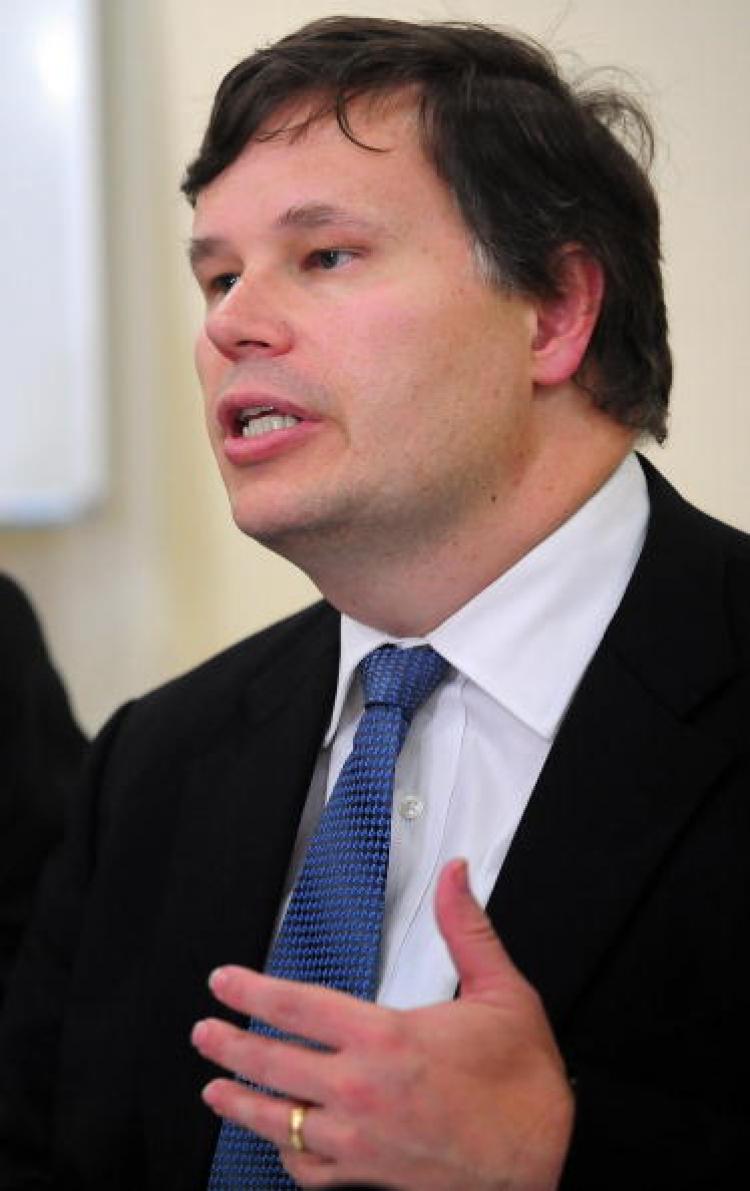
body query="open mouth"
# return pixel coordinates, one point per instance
(257, 420)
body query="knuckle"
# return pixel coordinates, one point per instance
(354, 1143)
(355, 1092)
(260, 1063)
(346, 1138)
(388, 1034)
(263, 1117)
(286, 1005)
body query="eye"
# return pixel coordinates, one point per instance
(222, 283)
(329, 258)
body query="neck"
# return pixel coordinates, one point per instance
(408, 588)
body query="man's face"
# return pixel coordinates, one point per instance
(365, 388)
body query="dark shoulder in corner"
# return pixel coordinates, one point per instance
(220, 688)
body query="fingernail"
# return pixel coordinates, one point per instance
(198, 1033)
(217, 979)
(209, 1094)
(461, 875)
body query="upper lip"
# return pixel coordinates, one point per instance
(232, 405)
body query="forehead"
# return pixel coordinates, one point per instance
(294, 162)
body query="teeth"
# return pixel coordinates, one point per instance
(246, 415)
(263, 423)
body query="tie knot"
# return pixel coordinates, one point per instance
(401, 677)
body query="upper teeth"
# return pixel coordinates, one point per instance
(261, 419)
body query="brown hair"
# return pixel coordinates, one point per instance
(534, 164)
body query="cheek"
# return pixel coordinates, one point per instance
(208, 368)
(386, 347)
(207, 362)
(401, 372)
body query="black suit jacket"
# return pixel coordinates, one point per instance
(624, 897)
(41, 749)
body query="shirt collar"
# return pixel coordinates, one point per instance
(526, 639)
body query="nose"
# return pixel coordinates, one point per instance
(247, 321)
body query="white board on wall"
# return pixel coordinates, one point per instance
(52, 443)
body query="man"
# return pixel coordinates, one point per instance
(41, 750)
(434, 331)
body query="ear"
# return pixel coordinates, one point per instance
(565, 322)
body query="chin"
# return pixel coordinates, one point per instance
(271, 529)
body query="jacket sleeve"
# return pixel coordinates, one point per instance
(34, 1011)
(41, 753)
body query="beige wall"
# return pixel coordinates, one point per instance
(157, 578)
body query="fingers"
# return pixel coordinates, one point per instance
(482, 963)
(305, 1011)
(326, 1139)
(266, 1115)
(284, 1066)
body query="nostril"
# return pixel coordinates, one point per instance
(236, 333)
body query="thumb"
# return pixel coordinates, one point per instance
(482, 963)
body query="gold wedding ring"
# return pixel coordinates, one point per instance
(296, 1125)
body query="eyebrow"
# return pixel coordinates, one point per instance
(314, 215)
(308, 216)
(205, 246)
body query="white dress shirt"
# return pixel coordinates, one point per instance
(474, 751)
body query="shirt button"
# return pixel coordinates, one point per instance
(410, 807)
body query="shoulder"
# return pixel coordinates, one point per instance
(16, 613)
(673, 513)
(303, 634)
(195, 708)
(22, 645)
(692, 581)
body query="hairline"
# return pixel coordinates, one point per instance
(335, 105)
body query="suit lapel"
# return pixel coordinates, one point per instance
(621, 782)
(257, 787)
(629, 766)
(239, 818)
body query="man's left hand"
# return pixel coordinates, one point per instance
(467, 1095)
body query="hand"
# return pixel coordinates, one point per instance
(468, 1095)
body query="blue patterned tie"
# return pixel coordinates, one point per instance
(331, 932)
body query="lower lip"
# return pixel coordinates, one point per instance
(243, 452)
